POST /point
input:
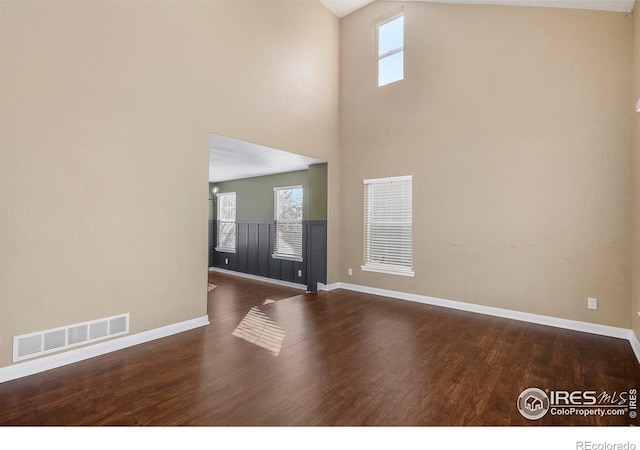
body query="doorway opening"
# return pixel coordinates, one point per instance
(246, 183)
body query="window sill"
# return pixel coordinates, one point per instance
(287, 257)
(225, 250)
(390, 270)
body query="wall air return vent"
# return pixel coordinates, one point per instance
(49, 341)
(54, 339)
(101, 329)
(119, 324)
(77, 334)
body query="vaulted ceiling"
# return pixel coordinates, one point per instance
(342, 8)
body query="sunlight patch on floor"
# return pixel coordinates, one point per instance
(257, 328)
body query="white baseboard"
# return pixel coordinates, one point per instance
(51, 362)
(586, 327)
(258, 278)
(329, 287)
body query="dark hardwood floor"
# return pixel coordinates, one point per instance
(346, 359)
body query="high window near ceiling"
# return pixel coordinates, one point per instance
(391, 50)
(288, 217)
(226, 222)
(388, 225)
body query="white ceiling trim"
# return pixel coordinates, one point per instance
(343, 8)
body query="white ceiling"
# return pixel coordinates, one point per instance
(233, 159)
(342, 8)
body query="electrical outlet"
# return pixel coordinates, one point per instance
(299, 273)
(592, 303)
(350, 271)
(226, 260)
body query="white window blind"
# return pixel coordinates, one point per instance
(391, 50)
(288, 216)
(388, 225)
(226, 222)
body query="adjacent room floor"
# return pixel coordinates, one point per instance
(339, 358)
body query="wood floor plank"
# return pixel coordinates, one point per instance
(346, 359)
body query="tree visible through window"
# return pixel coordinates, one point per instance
(288, 217)
(226, 222)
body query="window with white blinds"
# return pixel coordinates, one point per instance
(226, 222)
(288, 216)
(388, 225)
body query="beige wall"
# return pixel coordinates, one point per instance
(514, 123)
(105, 115)
(635, 172)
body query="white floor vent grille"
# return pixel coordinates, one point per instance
(49, 341)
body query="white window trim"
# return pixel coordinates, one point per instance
(390, 52)
(389, 269)
(275, 254)
(219, 248)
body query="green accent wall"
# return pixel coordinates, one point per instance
(254, 196)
